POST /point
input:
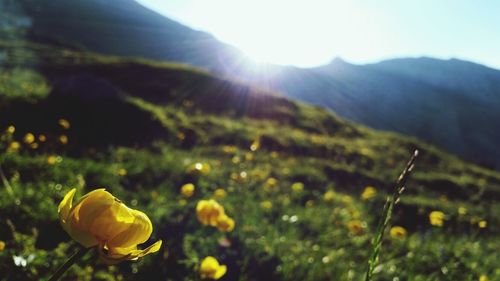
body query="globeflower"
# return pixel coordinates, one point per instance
(2, 245)
(398, 232)
(29, 138)
(220, 193)
(209, 212)
(100, 220)
(211, 269)
(297, 187)
(14, 146)
(11, 130)
(225, 223)
(64, 123)
(187, 190)
(368, 193)
(436, 218)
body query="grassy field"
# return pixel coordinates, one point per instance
(294, 177)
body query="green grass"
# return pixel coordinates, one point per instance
(156, 119)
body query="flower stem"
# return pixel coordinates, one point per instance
(73, 259)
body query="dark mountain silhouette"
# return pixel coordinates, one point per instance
(454, 104)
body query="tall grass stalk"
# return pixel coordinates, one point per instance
(387, 214)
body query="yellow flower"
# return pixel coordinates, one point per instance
(255, 145)
(271, 182)
(14, 146)
(198, 169)
(2, 245)
(297, 187)
(63, 139)
(52, 160)
(482, 224)
(187, 190)
(34, 145)
(484, 278)
(10, 130)
(329, 196)
(64, 123)
(208, 212)
(462, 210)
(355, 227)
(42, 138)
(220, 193)
(436, 218)
(266, 205)
(211, 269)
(122, 172)
(29, 138)
(368, 193)
(225, 223)
(100, 220)
(398, 232)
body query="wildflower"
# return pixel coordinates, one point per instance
(63, 139)
(229, 149)
(309, 203)
(208, 212)
(436, 218)
(462, 210)
(266, 205)
(225, 223)
(355, 227)
(64, 123)
(42, 138)
(220, 193)
(368, 193)
(484, 278)
(14, 146)
(10, 130)
(211, 269)
(297, 187)
(482, 224)
(52, 160)
(271, 182)
(274, 154)
(255, 145)
(198, 169)
(29, 138)
(100, 220)
(2, 245)
(122, 172)
(187, 190)
(34, 145)
(329, 196)
(398, 232)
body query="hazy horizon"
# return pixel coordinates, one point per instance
(375, 31)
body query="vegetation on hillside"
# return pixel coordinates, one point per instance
(304, 187)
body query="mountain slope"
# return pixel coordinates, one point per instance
(453, 104)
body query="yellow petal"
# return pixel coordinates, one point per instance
(220, 272)
(136, 232)
(65, 207)
(114, 220)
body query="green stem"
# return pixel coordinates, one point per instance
(73, 259)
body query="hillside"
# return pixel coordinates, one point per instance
(142, 129)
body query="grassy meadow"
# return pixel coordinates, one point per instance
(305, 188)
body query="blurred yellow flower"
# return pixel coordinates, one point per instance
(271, 182)
(100, 220)
(436, 218)
(225, 223)
(42, 138)
(229, 149)
(255, 145)
(329, 196)
(64, 123)
(398, 232)
(266, 205)
(14, 146)
(220, 193)
(297, 187)
(52, 160)
(482, 224)
(355, 227)
(29, 138)
(309, 203)
(2, 245)
(462, 210)
(10, 130)
(63, 139)
(122, 172)
(208, 212)
(198, 169)
(34, 145)
(187, 190)
(211, 269)
(368, 193)
(484, 278)
(274, 154)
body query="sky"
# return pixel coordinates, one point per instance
(309, 33)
